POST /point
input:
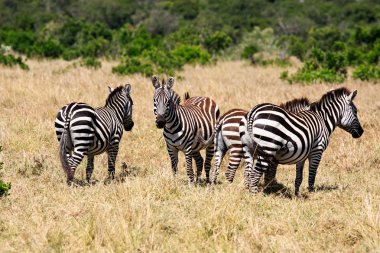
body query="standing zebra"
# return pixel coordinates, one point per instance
(227, 137)
(278, 136)
(184, 124)
(83, 130)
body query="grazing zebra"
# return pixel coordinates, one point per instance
(278, 136)
(185, 126)
(83, 130)
(227, 137)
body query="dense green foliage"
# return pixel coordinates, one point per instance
(160, 36)
(4, 187)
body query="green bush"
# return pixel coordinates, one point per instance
(217, 42)
(49, 49)
(311, 72)
(133, 65)
(4, 187)
(191, 54)
(91, 62)
(10, 61)
(249, 51)
(367, 73)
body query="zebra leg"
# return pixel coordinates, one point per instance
(299, 176)
(314, 160)
(270, 174)
(90, 167)
(112, 154)
(173, 153)
(248, 165)
(199, 163)
(220, 150)
(209, 155)
(233, 164)
(219, 154)
(189, 165)
(74, 161)
(261, 166)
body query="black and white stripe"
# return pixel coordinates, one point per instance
(188, 128)
(277, 136)
(227, 138)
(83, 130)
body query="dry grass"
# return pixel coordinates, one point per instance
(151, 211)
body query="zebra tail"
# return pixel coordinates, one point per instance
(64, 144)
(218, 128)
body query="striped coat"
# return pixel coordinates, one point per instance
(188, 128)
(227, 138)
(83, 130)
(278, 136)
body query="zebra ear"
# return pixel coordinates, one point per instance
(155, 82)
(128, 88)
(352, 95)
(170, 82)
(110, 89)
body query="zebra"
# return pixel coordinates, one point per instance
(227, 138)
(83, 130)
(277, 136)
(186, 127)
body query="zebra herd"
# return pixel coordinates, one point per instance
(290, 133)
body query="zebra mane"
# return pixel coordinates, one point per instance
(296, 105)
(175, 97)
(113, 93)
(329, 96)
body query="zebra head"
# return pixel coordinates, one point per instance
(120, 98)
(127, 119)
(349, 120)
(163, 100)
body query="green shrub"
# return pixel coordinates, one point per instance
(191, 54)
(367, 73)
(49, 49)
(133, 65)
(10, 61)
(249, 51)
(311, 72)
(217, 42)
(91, 62)
(4, 187)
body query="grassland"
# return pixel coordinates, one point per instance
(152, 212)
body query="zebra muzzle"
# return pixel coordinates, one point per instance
(129, 126)
(357, 133)
(160, 121)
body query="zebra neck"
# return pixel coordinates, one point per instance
(173, 120)
(328, 114)
(118, 109)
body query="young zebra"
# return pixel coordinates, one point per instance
(83, 130)
(278, 136)
(227, 137)
(183, 124)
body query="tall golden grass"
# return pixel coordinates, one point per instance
(153, 212)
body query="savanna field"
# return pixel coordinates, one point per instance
(148, 210)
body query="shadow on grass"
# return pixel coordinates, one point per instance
(278, 189)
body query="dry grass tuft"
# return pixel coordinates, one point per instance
(146, 209)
